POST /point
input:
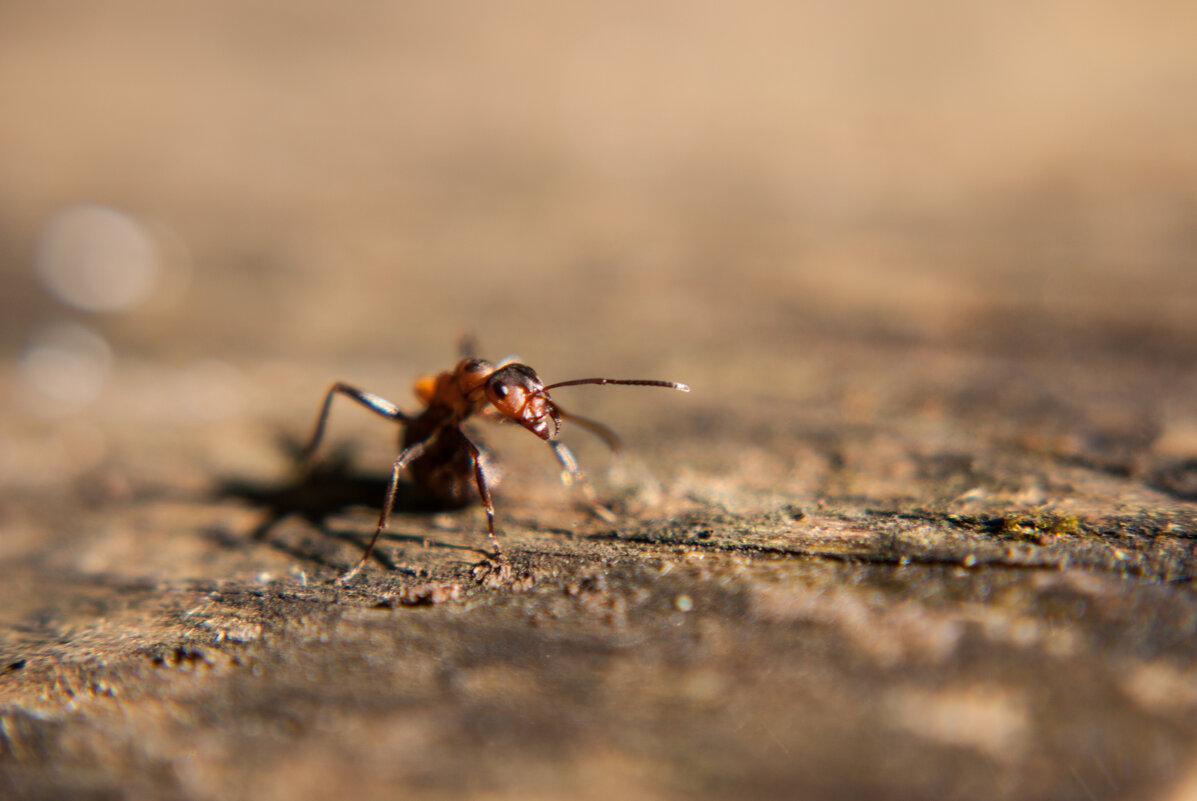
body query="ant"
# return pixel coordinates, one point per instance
(438, 453)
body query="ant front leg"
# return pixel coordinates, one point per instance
(483, 492)
(572, 474)
(409, 453)
(378, 405)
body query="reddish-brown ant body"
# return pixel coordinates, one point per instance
(441, 456)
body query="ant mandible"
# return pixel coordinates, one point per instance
(440, 455)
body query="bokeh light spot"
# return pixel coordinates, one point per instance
(96, 258)
(64, 367)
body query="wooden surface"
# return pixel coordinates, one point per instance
(925, 528)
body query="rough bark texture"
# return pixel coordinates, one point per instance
(925, 528)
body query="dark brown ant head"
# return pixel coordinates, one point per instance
(519, 395)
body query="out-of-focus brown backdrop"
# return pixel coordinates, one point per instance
(924, 527)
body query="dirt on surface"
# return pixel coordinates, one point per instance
(926, 527)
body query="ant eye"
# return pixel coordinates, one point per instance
(500, 389)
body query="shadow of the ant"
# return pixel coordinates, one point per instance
(329, 488)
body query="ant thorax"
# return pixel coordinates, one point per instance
(462, 389)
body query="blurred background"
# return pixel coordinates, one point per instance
(930, 268)
(208, 213)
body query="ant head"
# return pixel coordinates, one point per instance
(518, 394)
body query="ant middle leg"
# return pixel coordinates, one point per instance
(379, 405)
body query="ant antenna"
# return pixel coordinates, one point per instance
(638, 383)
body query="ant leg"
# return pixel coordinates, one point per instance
(572, 474)
(609, 437)
(374, 403)
(467, 348)
(409, 453)
(483, 493)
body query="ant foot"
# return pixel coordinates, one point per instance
(492, 572)
(348, 575)
(603, 513)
